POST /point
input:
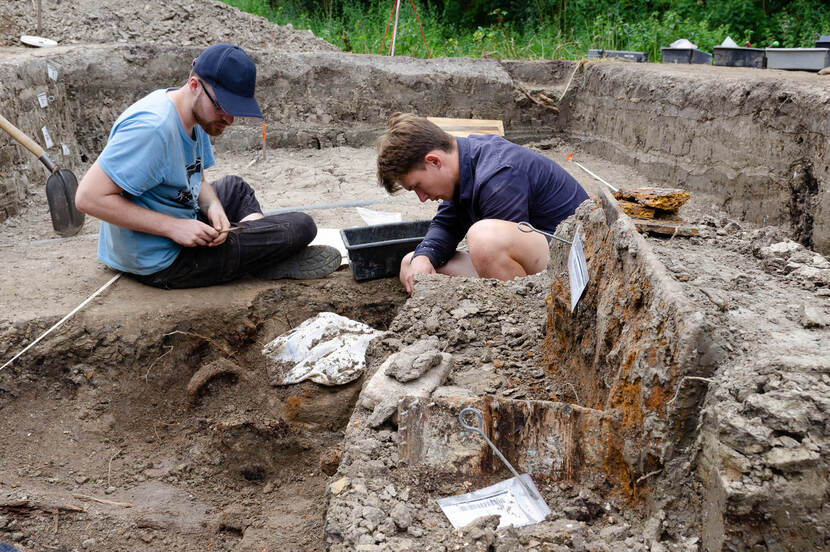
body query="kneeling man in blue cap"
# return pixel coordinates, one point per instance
(162, 222)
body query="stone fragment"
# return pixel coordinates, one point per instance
(382, 412)
(414, 361)
(338, 486)
(614, 532)
(577, 512)
(330, 459)
(734, 463)
(402, 516)
(732, 227)
(782, 411)
(654, 527)
(791, 460)
(381, 388)
(747, 436)
(452, 391)
(780, 250)
(372, 517)
(813, 317)
(464, 309)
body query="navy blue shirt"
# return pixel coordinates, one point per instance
(500, 180)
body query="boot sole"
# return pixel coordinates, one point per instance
(315, 261)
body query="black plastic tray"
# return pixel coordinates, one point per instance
(740, 57)
(376, 251)
(686, 55)
(624, 55)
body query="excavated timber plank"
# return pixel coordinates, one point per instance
(634, 209)
(665, 227)
(550, 440)
(664, 199)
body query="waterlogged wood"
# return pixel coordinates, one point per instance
(664, 199)
(635, 210)
(549, 440)
(665, 227)
(465, 127)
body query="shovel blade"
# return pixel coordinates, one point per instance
(60, 193)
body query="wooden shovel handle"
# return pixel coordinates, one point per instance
(24, 140)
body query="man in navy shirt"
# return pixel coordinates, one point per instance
(487, 185)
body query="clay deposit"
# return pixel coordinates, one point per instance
(681, 406)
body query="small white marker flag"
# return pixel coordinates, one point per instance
(577, 269)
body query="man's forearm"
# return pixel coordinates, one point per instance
(117, 210)
(100, 197)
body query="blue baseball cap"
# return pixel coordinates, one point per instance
(232, 74)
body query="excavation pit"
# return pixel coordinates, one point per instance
(110, 410)
(705, 356)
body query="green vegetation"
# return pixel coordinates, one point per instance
(548, 28)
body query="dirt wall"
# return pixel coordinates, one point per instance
(628, 345)
(755, 142)
(310, 99)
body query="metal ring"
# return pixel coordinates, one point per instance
(478, 416)
(529, 226)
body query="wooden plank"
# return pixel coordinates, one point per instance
(665, 227)
(553, 441)
(635, 210)
(465, 127)
(664, 199)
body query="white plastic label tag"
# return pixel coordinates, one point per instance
(43, 99)
(508, 499)
(52, 72)
(47, 138)
(65, 149)
(577, 270)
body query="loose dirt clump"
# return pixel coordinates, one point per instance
(182, 22)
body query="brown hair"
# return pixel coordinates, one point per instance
(402, 148)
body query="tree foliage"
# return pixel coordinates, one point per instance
(550, 28)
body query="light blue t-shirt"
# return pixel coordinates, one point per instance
(150, 156)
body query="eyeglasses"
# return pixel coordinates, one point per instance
(212, 100)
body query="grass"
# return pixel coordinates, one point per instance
(360, 29)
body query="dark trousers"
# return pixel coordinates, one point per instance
(259, 244)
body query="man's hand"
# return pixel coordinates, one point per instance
(412, 266)
(192, 232)
(219, 220)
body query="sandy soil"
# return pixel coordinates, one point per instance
(183, 22)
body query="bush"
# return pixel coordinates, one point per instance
(547, 29)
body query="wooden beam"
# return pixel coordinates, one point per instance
(465, 127)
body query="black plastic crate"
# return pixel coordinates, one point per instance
(376, 251)
(823, 41)
(623, 55)
(686, 55)
(740, 57)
